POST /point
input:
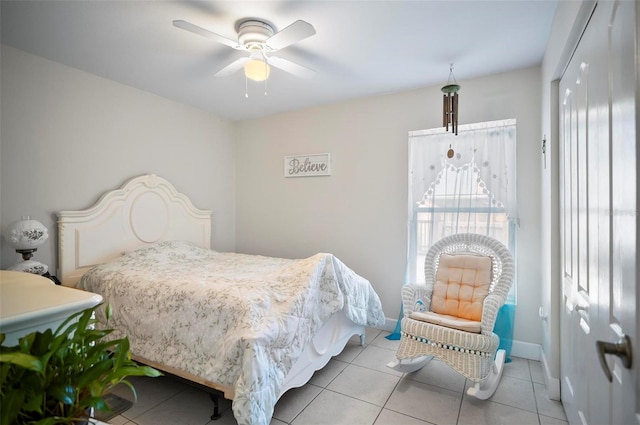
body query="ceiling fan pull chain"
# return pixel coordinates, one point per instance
(246, 87)
(266, 72)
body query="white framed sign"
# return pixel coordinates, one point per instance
(318, 164)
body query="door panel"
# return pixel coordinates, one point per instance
(599, 215)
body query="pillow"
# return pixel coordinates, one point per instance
(462, 284)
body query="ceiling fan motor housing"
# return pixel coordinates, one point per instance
(254, 34)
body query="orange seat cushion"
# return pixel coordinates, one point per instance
(448, 321)
(462, 284)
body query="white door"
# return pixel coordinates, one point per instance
(599, 213)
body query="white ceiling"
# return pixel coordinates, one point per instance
(361, 48)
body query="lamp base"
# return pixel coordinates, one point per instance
(30, 266)
(26, 253)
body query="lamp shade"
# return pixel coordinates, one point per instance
(257, 70)
(26, 233)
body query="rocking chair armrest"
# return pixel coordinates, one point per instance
(413, 294)
(490, 307)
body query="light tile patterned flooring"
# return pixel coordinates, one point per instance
(356, 388)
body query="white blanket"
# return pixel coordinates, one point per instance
(233, 319)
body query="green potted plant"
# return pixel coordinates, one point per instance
(61, 377)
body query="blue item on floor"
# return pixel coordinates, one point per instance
(504, 328)
(395, 335)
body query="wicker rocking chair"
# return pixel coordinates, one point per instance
(468, 277)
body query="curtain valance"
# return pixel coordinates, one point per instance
(488, 147)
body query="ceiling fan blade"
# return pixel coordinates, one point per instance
(295, 32)
(292, 68)
(232, 67)
(205, 33)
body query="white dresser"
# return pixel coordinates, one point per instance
(29, 302)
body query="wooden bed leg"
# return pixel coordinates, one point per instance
(216, 406)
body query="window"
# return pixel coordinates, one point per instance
(460, 184)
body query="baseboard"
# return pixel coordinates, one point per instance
(552, 384)
(389, 324)
(525, 350)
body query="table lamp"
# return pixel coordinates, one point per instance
(26, 235)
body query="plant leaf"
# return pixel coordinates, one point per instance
(42, 342)
(93, 373)
(34, 403)
(11, 403)
(26, 361)
(74, 319)
(96, 402)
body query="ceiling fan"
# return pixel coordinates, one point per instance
(260, 40)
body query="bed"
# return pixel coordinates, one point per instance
(251, 327)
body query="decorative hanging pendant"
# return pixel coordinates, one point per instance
(450, 103)
(450, 152)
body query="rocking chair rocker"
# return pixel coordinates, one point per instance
(468, 277)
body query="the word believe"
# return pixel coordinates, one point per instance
(297, 167)
(307, 165)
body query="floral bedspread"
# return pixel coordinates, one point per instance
(234, 319)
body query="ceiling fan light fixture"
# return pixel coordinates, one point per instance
(257, 70)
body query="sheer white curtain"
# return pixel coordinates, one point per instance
(471, 192)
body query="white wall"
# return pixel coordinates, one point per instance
(359, 213)
(67, 136)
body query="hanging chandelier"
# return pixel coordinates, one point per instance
(450, 103)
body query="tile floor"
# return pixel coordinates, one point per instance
(357, 388)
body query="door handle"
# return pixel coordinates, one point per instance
(622, 349)
(578, 308)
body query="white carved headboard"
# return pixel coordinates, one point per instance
(145, 210)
